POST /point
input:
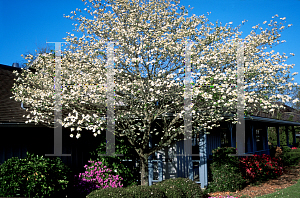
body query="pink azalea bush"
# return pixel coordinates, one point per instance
(95, 177)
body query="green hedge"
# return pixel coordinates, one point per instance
(290, 156)
(179, 187)
(187, 186)
(225, 173)
(132, 191)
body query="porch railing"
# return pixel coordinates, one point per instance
(266, 151)
(160, 170)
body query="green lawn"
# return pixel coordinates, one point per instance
(292, 191)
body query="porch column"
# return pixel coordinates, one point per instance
(294, 135)
(278, 140)
(248, 137)
(287, 135)
(232, 142)
(253, 139)
(267, 141)
(203, 159)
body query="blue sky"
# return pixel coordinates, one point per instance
(27, 25)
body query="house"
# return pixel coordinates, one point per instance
(168, 165)
(18, 137)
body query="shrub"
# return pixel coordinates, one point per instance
(187, 186)
(110, 192)
(33, 176)
(83, 188)
(285, 149)
(226, 178)
(115, 162)
(179, 187)
(145, 191)
(290, 156)
(132, 191)
(95, 177)
(221, 156)
(260, 167)
(224, 170)
(170, 190)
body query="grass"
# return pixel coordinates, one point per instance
(291, 191)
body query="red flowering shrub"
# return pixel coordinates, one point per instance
(260, 167)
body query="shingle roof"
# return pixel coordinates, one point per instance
(285, 113)
(10, 110)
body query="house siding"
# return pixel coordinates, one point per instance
(40, 141)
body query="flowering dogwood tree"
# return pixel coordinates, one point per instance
(150, 38)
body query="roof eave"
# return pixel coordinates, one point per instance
(19, 124)
(270, 121)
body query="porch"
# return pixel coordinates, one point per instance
(165, 164)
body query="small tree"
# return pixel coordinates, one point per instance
(149, 57)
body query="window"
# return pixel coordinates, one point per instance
(195, 146)
(225, 138)
(195, 140)
(259, 139)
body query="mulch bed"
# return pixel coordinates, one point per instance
(290, 177)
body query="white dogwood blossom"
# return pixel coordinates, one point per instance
(149, 55)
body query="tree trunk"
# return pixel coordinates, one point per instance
(144, 171)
